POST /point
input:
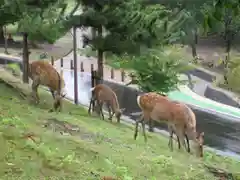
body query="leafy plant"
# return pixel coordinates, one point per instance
(14, 68)
(233, 75)
(155, 70)
(120, 171)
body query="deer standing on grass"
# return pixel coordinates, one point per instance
(104, 94)
(179, 117)
(43, 73)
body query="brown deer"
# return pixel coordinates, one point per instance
(179, 117)
(43, 73)
(104, 94)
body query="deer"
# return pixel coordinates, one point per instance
(43, 73)
(178, 116)
(104, 94)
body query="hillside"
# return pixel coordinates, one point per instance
(36, 144)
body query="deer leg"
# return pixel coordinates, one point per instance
(35, 84)
(90, 106)
(52, 92)
(144, 131)
(136, 127)
(181, 135)
(188, 146)
(170, 142)
(150, 125)
(100, 104)
(58, 103)
(109, 112)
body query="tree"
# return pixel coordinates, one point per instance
(9, 13)
(130, 26)
(225, 15)
(45, 21)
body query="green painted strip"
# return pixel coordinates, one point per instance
(180, 96)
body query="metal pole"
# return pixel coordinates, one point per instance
(75, 66)
(25, 58)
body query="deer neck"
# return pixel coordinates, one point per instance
(115, 104)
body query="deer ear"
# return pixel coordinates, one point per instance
(63, 95)
(122, 109)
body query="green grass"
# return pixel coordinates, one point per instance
(98, 148)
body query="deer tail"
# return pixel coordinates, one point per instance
(92, 89)
(138, 101)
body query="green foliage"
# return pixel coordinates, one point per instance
(44, 24)
(156, 70)
(130, 25)
(233, 75)
(14, 68)
(223, 16)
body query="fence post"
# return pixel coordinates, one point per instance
(52, 60)
(112, 73)
(122, 75)
(93, 84)
(81, 67)
(71, 64)
(92, 67)
(61, 62)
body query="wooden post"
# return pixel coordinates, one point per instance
(71, 65)
(52, 60)
(93, 83)
(75, 65)
(92, 67)
(25, 58)
(81, 67)
(61, 62)
(61, 73)
(122, 75)
(112, 73)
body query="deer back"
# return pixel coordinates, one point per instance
(47, 74)
(161, 108)
(106, 94)
(148, 101)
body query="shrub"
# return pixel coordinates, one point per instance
(233, 75)
(155, 70)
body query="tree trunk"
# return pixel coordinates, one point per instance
(228, 49)
(93, 31)
(1, 33)
(5, 41)
(193, 43)
(196, 37)
(194, 50)
(227, 58)
(25, 58)
(100, 57)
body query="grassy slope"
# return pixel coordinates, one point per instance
(98, 148)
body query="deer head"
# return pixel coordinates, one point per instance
(200, 141)
(119, 113)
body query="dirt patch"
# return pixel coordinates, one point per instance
(66, 128)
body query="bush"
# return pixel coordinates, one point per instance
(155, 70)
(233, 75)
(14, 68)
